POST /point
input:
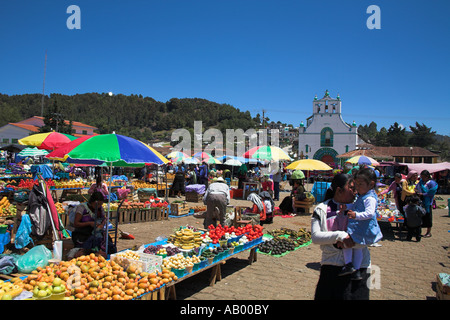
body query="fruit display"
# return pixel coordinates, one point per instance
(10, 289)
(284, 240)
(159, 249)
(59, 207)
(301, 236)
(199, 208)
(277, 246)
(186, 239)
(6, 208)
(215, 234)
(179, 262)
(146, 185)
(92, 277)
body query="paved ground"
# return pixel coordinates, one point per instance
(407, 269)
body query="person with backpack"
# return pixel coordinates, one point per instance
(414, 213)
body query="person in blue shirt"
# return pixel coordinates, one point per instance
(362, 225)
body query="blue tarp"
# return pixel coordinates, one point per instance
(44, 169)
(319, 189)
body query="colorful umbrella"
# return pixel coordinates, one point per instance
(269, 153)
(32, 152)
(113, 149)
(177, 155)
(61, 152)
(212, 161)
(47, 140)
(360, 160)
(309, 165)
(203, 156)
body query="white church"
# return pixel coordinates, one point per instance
(326, 134)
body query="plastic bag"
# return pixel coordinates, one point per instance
(23, 238)
(37, 257)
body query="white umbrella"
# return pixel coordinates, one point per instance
(191, 161)
(233, 162)
(32, 152)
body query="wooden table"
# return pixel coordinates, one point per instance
(169, 292)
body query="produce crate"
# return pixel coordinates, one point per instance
(442, 289)
(146, 263)
(194, 197)
(238, 193)
(306, 204)
(179, 209)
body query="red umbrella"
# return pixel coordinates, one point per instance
(47, 140)
(61, 153)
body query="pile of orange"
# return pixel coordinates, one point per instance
(92, 277)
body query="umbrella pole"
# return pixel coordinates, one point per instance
(109, 202)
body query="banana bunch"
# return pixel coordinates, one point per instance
(186, 239)
(9, 290)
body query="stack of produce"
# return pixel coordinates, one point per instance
(178, 261)
(92, 277)
(6, 208)
(284, 240)
(9, 289)
(215, 234)
(186, 239)
(159, 249)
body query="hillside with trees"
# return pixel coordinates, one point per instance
(136, 116)
(396, 136)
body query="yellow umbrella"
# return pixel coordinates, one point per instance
(309, 165)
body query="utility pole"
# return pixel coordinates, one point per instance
(43, 85)
(263, 119)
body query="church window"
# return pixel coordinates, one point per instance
(326, 137)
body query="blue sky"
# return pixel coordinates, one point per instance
(252, 54)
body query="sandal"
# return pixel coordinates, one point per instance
(428, 235)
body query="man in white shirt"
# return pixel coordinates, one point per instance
(216, 198)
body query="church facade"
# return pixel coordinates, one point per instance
(326, 134)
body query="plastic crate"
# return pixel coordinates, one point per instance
(146, 263)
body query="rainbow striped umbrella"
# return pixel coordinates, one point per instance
(269, 153)
(360, 160)
(47, 140)
(111, 149)
(176, 155)
(114, 148)
(206, 157)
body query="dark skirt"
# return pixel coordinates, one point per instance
(331, 286)
(286, 205)
(178, 183)
(427, 219)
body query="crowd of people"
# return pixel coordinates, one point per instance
(345, 224)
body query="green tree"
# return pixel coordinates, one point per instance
(54, 121)
(422, 136)
(381, 139)
(396, 136)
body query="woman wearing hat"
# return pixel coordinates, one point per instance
(297, 193)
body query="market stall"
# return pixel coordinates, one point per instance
(151, 272)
